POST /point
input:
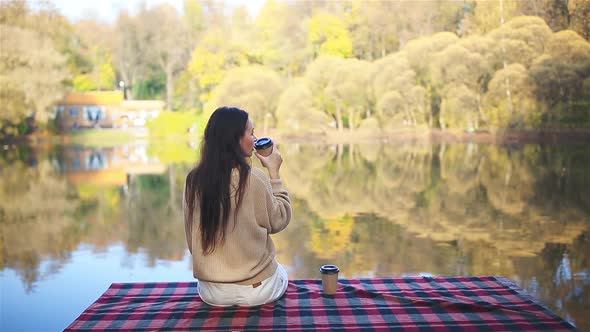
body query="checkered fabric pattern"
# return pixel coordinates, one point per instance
(405, 304)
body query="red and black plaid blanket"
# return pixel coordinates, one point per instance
(409, 304)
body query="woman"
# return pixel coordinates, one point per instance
(230, 208)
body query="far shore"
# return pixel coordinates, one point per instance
(543, 136)
(546, 136)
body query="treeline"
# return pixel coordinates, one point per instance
(312, 65)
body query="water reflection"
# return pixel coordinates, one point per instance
(521, 211)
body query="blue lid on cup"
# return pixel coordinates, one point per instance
(329, 269)
(263, 143)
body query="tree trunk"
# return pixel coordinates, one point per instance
(504, 64)
(412, 117)
(339, 124)
(192, 91)
(169, 86)
(351, 120)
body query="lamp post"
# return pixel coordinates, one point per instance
(122, 87)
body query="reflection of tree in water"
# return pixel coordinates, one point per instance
(36, 224)
(375, 210)
(153, 215)
(43, 218)
(331, 237)
(462, 209)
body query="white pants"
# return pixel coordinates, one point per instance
(225, 295)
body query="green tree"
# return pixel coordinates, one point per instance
(420, 53)
(318, 76)
(106, 77)
(348, 90)
(459, 107)
(131, 53)
(524, 38)
(525, 111)
(295, 110)
(373, 30)
(207, 66)
(169, 43)
(559, 75)
(328, 36)
(399, 97)
(580, 17)
(83, 82)
(281, 37)
(30, 82)
(255, 89)
(457, 69)
(92, 67)
(489, 15)
(556, 13)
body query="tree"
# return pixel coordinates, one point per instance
(92, 65)
(488, 15)
(580, 17)
(348, 91)
(559, 75)
(459, 107)
(207, 65)
(318, 76)
(524, 38)
(131, 53)
(419, 53)
(398, 95)
(169, 43)
(391, 109)
(295, 110)
(30, 82)
(374, 28)
(456, 69)
(255, 89)
(525, 112)
(328, 36)
(281, 37)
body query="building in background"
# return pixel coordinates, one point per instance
(104, 109)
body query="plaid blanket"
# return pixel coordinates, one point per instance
(412, 304)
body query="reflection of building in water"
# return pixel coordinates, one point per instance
(106, 166)
(104, 109)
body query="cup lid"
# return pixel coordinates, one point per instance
(329, 269)
(263, 143)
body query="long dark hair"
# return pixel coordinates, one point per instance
(210, 180)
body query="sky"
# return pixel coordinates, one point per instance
(107, 10)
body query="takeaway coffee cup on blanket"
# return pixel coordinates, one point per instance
(264, 146)
(329, 278)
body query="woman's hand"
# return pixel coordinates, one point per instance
(272, 162)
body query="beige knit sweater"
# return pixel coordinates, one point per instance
(247, 255)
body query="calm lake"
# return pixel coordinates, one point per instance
(75, 219)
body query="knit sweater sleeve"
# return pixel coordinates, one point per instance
(274, 208)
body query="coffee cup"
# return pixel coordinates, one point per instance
(329, 278)
(264, 146)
